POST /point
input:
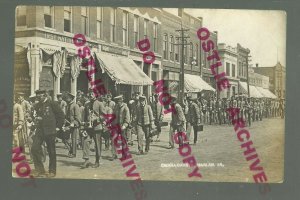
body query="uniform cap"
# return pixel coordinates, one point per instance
(117, 98)
(40, 92)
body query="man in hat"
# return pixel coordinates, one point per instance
(61, 102)
(110, 104)
(123, 119)
(50, 118)
(133, 105)
(18, 123)
(177, 123)
(194, 118)
(73, 116)
(158, 115)
(145, 121)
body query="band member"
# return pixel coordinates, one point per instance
(50, 118)
(18, 122)
(158, 115)
(97, 112)
(123, 119)
(61, 102)
(177, 123)
(194, 117)
(133, 105)
(145, 121)
(111, 104)
(74, 118)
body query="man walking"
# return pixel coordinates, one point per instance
(50, 118)
(158, 115)
(144, 118)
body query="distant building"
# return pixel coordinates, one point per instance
(229, 59)
(276, 76)
(243, 54)
(258, 80)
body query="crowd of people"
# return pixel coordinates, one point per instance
(78, 122)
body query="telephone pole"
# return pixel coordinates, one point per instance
(247, 66)
(183, 43)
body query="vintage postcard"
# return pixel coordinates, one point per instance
(133, 93)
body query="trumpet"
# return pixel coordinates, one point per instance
(93, 116)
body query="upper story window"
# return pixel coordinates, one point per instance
(155, 33)
(21, 15)
(49, 16)
(125, 28)
(99, 21)
(177, 50)
(67, 18)
(227, 69)
(84, 20)
(146, 21)
(136, 29)
(196, 54)
(165, 46)
(191, 52)
(171, 47)
(113, 14)
(233, 70)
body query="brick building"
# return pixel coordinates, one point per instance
(276, 76)
(46, 53)
(171, 50)
(243, 54)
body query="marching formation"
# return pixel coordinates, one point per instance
(41, 122)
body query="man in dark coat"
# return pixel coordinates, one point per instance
(121, 111)
(158, 115)
(145, 121)
(194, 117)
(50, 118)
(177, 123)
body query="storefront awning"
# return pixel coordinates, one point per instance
(266, 93)
(194, 83)
(123, 70)
(253, 91)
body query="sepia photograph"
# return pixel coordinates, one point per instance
(144, 93)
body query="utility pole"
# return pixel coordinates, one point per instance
(181, 77)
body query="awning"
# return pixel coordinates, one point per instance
(122, 70)
(266, 93)
(253, 91)
(194, 83)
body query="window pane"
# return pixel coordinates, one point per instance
(47, 19)
(67, 25)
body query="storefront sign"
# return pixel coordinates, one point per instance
(66, 39)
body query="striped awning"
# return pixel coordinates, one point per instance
(266, 93)
(194, 83)
(122, 70)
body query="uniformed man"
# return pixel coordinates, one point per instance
(18, 123)
(145, 121)
(111, 104)
(177, 123)
(133, 105)
(158, 115)
(50, 118)
(61, 102)
(73, 115)
(194, 117)
(121, 111)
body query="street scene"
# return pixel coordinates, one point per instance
(117, 93)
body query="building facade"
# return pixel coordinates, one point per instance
(44, 34)
(171, 48)
(258, 80)
(229, 59)
(276, 76)
(242, 61)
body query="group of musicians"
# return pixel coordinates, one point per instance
(40, 122)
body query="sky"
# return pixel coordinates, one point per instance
(261, 31)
